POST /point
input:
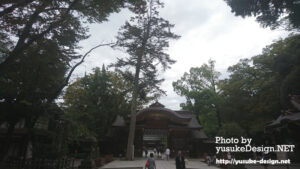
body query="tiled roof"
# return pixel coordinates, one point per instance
(185, 116)
(162, 109)
(290, 117)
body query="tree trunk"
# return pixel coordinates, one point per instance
(140, 54)
(133, 110)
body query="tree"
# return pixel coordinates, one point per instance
(23, 23)
(29, 91)
(285, 13)
(199, 87)
(25, 92)
(231, 130)
(250, 96)
(47, 34)
(286, 64)
(92, 102)
(145, 38)
(39, 41)
(259, 88)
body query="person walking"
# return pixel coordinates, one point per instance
(158, 152)
(155, 151)
(180, 163)
(168, 154)
(146, 152)
(150, 164)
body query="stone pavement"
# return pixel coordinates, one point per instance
(190, 164)
(160, 164)
(293, 166)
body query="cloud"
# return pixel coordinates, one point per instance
(208, 30)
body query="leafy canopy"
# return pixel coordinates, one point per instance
(92, 103)
(144, 38)
(259, 88)
(269, 13)
(39, 40)
(199, 88)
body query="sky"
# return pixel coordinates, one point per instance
(208, 30)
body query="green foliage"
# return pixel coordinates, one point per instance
(93, 102)
(198, 79)
(199, 88)
(59, 21)
(38, 41)
(250, 97)
(145, 38)
(209, 121)
(254, 94)
(258, 88)
(286, 56)
(231, 129)
(284, 13)
(33, 82)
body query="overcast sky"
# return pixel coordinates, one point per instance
(208, 30)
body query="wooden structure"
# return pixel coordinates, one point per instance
(159, 127)
(285, 129)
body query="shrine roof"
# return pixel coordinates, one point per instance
(182, 117)
(287, 117)
(162, 109)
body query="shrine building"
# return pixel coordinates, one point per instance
(159, 127)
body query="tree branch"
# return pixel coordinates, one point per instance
(82, 60)
(21, 45)
(65, 83)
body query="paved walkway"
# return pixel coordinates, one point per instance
(190, 164)
(160, 164)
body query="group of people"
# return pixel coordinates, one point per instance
(159, 153)
(180, 163)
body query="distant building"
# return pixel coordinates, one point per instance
(159, 127)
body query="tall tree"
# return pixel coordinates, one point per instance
(274, 14)
(145, 38)
(199, 87)
(259, 88)
(39, 41)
